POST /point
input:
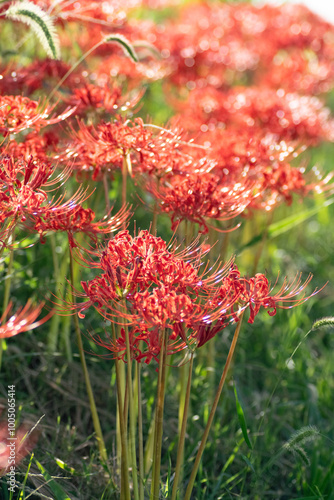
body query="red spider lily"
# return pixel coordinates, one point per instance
(296, 72)
(118, 348)
(33, 77)
(134, 73)
(75, 219)
(21, 184)
(36, 145)
(163, 307)
(283, 115)
(202, 197)
(280, 183)
(237, 153)
(106, 146)
(152, 288)
(257, 292)
(287, 116)
(19, 113)
(133, 266)
(152, 340)
(216, 44)
(168, 153)
(146, 260)
(260, 163)
(87, 11)
(24, 187)
(94, 97)
(22, 321)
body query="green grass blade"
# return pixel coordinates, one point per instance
(282, 226)
(57, 490)
(248, 462)
(242, 420)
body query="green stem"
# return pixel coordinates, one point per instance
(126, 403)
(140, 436)
(125, 484)
(55, 259)
(149, 446)
(213, 244)
(182, 433)
(159, 412)
(213, 411)
(9, 229)
(8, 282)
(60, 283)
(182, 395)
(126, 166)
(120, 411)
(155, 212)
(95, 417)
(154, 219)
(132, 429)
(75, 65)
(106, 192)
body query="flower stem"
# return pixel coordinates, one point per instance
(125, 484)
(140, 436)
(155, 212)
(95, 417)
(75, 65)
(182, 434)
(106, 192)
(212, 412)
(159, 411)
(132, 433)
(60, 283)
(126, 166)
(8, 281)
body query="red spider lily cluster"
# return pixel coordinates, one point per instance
(232, 143)
(24, 200)
(244, 130)
(154, 287)
(245, 87)
(213, 44)
(19, 113)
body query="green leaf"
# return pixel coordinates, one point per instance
(57, 490)
(242, 420)
(64, 466)
(248, 462)
(281, 227)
